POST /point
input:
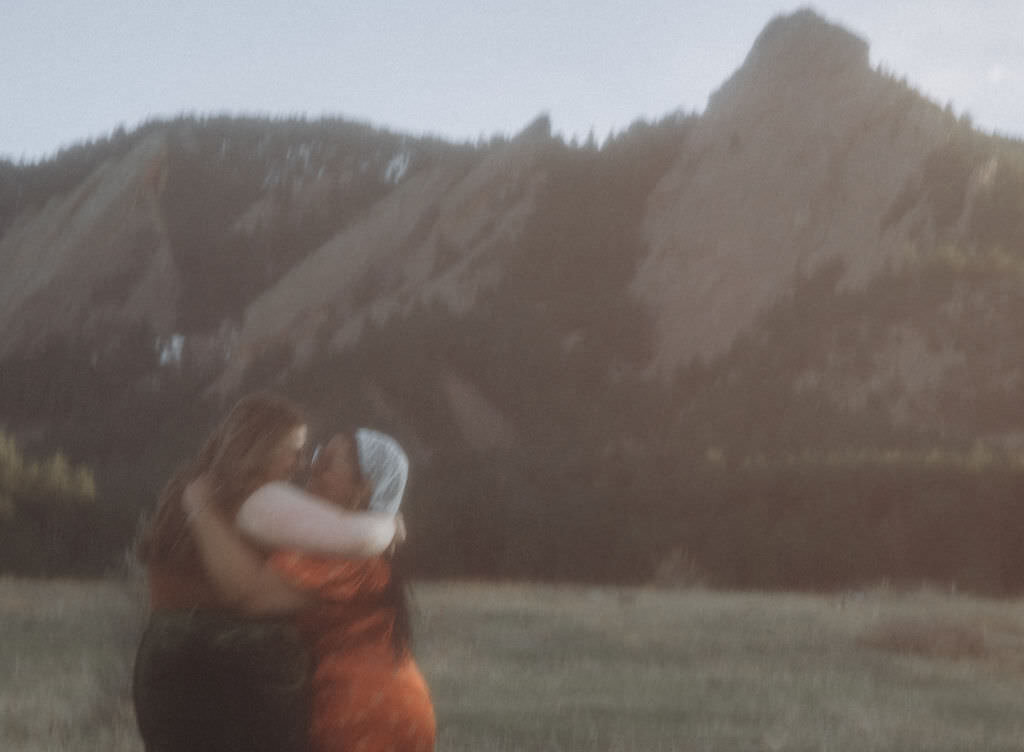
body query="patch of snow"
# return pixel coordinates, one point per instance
(171, 349)
(987, 172)
(397, 167)
(272, 179)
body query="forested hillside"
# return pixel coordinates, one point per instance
(776, 344)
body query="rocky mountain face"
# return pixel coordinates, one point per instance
(797, 158)
(823, 260)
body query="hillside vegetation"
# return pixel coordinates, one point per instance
(776, 344)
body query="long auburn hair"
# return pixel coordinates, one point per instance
(235, 457)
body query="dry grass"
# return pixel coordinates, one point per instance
(924, 638)
(65, 666)
(518, 667)
(523, 668)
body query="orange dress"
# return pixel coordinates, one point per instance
(365, 698)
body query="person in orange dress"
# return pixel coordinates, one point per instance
(368, 694)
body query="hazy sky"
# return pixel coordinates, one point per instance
(73, 70)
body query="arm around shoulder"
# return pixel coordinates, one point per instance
(280, 515)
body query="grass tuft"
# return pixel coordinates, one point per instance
(929, 639)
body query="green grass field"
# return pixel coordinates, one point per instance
(520, 667)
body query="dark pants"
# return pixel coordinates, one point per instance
(209, 681)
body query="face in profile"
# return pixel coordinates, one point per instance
(286, 457)
(336, 475)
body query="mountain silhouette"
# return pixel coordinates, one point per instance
(824, 261)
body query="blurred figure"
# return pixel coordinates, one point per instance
(205, 677)
(368, 693)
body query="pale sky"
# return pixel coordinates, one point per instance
(72, 70)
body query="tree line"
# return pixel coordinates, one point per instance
(611, 476)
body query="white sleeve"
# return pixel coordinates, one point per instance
(281, 515)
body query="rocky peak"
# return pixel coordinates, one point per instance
(793, 51)
(799, 154)
(807, 41)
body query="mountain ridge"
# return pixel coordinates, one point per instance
(728, 230)
(823, 260)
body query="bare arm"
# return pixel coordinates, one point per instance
(240, 574)
(280, 515)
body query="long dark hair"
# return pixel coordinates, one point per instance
(235, 456)
(397, 597)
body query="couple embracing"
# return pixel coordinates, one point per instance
(277, 622)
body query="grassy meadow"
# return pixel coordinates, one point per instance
(523, 667)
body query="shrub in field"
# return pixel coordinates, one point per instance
(48, 511)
